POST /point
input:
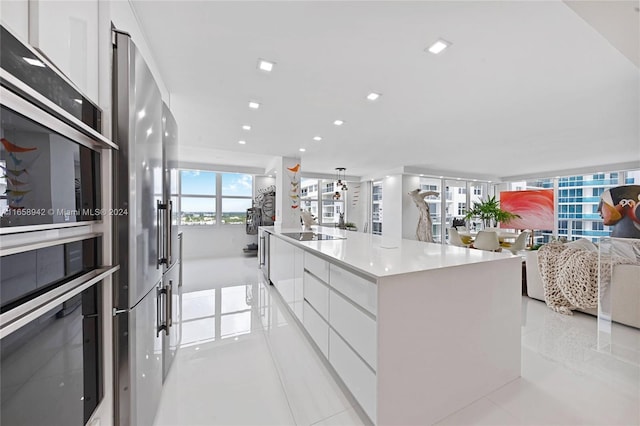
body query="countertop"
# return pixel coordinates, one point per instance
(378, 256)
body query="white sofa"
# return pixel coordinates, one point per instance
(625, 290)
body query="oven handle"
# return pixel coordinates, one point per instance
(16, 318)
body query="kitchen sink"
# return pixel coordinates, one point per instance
(310, 236)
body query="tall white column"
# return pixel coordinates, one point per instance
(288, 192)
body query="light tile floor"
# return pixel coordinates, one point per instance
(244, 361)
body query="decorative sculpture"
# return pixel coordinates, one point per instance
(307, 220)
(424, 230)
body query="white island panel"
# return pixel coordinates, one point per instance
(446, 337)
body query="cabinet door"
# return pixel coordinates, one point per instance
(282, 268)
(298, 291)
(358, 377)
(67, 32)
(15, 16)
(355, 326)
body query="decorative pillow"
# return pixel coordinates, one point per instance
(584, 244)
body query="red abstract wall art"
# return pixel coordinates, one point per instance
(535, 208)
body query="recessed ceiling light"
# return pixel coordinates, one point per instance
(338, 122)
(440, 177)
(242, 142)
(317, 138)
(421, 174)
(302, 150)
(254, 105)
(373, 96)
(265, 65)
(439, 46)
(246, 127)
(387, 176)
(34, 62)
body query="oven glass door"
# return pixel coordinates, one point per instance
(51, 368)
(27, 275)
(45, 177)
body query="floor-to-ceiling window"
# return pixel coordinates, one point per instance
(323, 199)
(376, 208)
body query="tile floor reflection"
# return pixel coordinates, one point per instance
(244, 361)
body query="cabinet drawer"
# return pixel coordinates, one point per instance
(317, 294)
(357, 328)
(361, 291)
(318, 267)
(360, 380)
(317, 328)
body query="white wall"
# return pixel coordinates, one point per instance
(207, 242)
(392, 206)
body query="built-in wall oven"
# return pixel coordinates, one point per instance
(52, 236)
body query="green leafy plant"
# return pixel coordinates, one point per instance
(489, 212)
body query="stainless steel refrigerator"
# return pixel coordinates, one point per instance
(146, 289)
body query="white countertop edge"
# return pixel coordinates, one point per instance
(378, 256)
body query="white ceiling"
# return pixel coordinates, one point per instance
(526, 87)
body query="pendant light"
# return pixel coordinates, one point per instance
(341, 183)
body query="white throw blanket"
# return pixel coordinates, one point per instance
(570, 276)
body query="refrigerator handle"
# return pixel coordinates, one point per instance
(168, 231)
(158, 237)
(262, 253)
(169, 307)
(160, 293)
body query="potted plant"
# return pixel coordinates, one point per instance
(489, 212)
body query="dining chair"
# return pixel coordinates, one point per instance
(455, 239)
(487, 240)
(519, 244)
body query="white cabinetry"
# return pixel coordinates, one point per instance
(339, 315)
(355, 326)
(360, 380)
(15, 16)
(67, 32)
(394, 338)
(286, 272)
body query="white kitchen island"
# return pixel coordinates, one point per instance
(414, 330)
